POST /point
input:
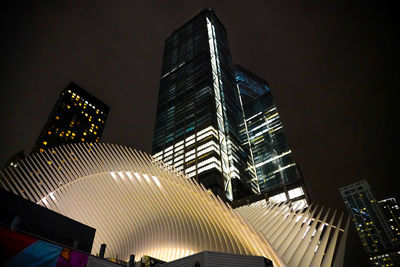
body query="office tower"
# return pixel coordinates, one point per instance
(76, 117)
(371, 224)
(263, 135)
(198, 109)
(391, 212)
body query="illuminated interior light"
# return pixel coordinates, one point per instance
(285, 167)
(273, 158)
(190, 142)
(296, 192)
(179, 143)
(187, 159)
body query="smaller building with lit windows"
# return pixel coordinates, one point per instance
(371, 224)
(76, 117)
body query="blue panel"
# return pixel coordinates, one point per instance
(40, 253)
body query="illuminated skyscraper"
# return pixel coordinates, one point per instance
(76, 117)
(277, 175)
(371, 223)
(198, 110)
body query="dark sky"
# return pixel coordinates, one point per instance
(332, 69)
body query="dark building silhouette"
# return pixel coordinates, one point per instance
(278, 177)
(77, 116)
(13, 160)
(198, 110)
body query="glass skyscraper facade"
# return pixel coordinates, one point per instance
(198, 110)
(263, 135)
(371, 224)
(77, 116)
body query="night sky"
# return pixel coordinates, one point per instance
(331, 67)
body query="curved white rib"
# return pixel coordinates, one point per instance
(141, 206)
(299, 238)
(137, 204)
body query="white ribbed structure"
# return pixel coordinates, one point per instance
(299, 238)
(141, 206)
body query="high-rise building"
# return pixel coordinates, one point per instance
(76, 117)
(198, 110)
(371, 224)
(263, 135)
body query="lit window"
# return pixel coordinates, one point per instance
(84, 133)
(68, 106)
(49, 132)
(41, 150)
(278, 198)
(44, 143)
(57, 117)
(83, 139)
(296, 192)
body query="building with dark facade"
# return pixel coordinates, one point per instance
(77, 116)
(277, 174)
(13, 160)
(198, 109)
(371, 224)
